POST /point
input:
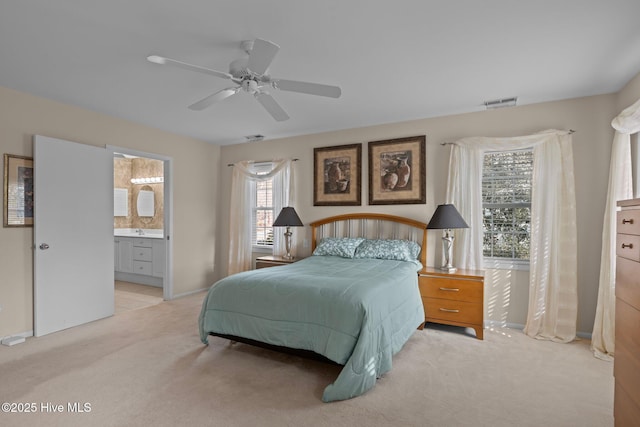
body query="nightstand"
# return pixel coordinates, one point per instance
(273, 261)
(453, 298)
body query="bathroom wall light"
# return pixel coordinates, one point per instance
(148, 180)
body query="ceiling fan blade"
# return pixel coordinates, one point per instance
(164, 61)
(212, 99)
(271, 106)
(309, 88)
(261, 55)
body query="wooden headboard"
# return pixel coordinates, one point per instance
(371, 226)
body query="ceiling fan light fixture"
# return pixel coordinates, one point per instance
(250, 86)
(250, 75)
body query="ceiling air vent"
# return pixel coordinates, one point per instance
(499, 103)
(254, 138)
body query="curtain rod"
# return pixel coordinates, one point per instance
(261, 161)
(570, 131)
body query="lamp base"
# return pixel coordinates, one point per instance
(287, 241)
(447, 249)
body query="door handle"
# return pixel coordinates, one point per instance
(44, 246)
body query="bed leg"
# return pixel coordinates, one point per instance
(421, 327)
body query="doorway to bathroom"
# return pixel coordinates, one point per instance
(142, 229)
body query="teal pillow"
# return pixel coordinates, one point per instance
(344, 247)
(399, 250)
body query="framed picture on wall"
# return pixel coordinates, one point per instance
(397, 171)
(336, 175)
(18, 191)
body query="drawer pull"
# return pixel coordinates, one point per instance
(629, 245)
(627, 221)
(448, 310)
(450, 289)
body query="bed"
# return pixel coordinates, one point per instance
(355, 301)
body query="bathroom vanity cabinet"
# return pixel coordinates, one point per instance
(139, 260)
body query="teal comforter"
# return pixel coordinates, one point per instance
(356, 312)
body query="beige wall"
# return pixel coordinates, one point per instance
(629, 94)
(507, 291)
(195, 168)
(198, 207)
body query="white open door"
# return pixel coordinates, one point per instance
(73, 234)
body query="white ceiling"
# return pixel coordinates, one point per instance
(394, 60)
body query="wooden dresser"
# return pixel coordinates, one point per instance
(626, 365)
(453, 298)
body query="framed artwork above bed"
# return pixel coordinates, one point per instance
(337, 175)
(397, 171)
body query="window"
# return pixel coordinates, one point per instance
(262, 208)
(506, 203)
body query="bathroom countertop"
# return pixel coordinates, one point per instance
(146, 233)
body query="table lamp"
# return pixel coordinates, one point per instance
(288, 218)
(447, 217)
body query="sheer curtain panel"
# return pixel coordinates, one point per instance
(620, 188)
(552, 312)
(240, 226)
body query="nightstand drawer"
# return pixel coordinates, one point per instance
(456, 289)
(451, 310)
(274, 261)
(265, 264)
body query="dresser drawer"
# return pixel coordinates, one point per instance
(625, 411)
(142, 267)
(626, 366)
(628, 282)
(628, 246)
(453, 311)
(142, 254)
(456, 289)
(628, 221)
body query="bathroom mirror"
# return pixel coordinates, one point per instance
(146, 202)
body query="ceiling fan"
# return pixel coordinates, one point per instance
(250, 75)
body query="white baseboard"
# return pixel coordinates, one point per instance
(185, 294)
(139, 278)
(584, 335)
(500, 324)
(26, 334)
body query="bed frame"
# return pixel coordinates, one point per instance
(371, 226)
(368, 225)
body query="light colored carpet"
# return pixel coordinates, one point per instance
(148, 367)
